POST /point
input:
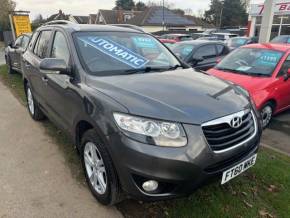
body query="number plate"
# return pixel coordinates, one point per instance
(238, 169)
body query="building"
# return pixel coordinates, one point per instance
(151, 20)
(281, 20)
(79, 19)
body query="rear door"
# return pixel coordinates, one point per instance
(61, 97)
(209, 55)
(31, 62)
(222, 51)
(14, 53)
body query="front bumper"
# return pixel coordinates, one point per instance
(179, 171)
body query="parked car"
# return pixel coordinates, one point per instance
(168, 42)
(264, 70)
(236, 42)
(144, 123)
(177, 37)
(224, 37)
(201, 54)
(281, 39)
(14, 51)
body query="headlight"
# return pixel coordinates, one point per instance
(165, 134)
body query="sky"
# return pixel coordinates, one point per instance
(86, 7)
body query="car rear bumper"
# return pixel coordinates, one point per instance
(179, 171)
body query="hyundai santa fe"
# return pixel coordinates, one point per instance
(145, 124)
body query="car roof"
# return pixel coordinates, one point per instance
(90, 27)
(270, 46)
(199, 42)
(225, 34)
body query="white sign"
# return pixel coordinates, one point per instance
(281, 7)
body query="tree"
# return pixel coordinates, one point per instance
(212, 15)
(234, 13)
(140, 6)
(228, 13)
(125, 4)
(6, 7)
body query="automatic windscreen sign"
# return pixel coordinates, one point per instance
(116, 51)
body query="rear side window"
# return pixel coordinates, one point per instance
(33, 38)
(41, 46)
(18, 41)
(221, 50)
(59, 48)
(25, 42)
(207, 51)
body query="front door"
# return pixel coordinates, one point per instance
(208, 54)
(282, 85)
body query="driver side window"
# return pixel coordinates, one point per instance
(207, 51)
(285, 67)
(59, 48)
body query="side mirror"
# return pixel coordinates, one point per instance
(287, 75)
(54, 64)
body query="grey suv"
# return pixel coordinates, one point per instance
(144, 123)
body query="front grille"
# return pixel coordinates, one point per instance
(221, 136)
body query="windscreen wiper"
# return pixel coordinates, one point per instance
(175, 67)
(144, 70)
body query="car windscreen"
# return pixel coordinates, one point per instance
(237, 42)
(183, 50)
(251, 61)
(115, 53)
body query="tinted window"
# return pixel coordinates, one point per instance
(60, 48)
(207, 51)
(185, 38)
(251, 61)
(25, 42)
(222, 50)
(33, 38)
(183, 50)
(18, 41)
(41, 46)
(280, 39)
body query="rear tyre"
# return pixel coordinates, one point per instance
(267, 114)
(99, 170)
(32, 106)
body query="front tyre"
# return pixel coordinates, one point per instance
(32, 106)
(267, 114)
(100, 173)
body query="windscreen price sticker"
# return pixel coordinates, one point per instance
(116, 51)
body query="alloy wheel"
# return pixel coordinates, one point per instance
(95, 168)
(30, 101)
(266, 115)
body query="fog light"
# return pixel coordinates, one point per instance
(150, 186)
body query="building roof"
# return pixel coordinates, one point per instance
(113, 16)
(81, 19)
(153, 16)
(199, 22)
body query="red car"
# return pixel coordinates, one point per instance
(168, 42)
(264, 71)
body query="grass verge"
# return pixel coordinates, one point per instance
(263, 191)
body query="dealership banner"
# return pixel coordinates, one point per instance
(21, 24)
(281, 7)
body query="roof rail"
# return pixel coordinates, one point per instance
(129, 26)
(62, 22)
